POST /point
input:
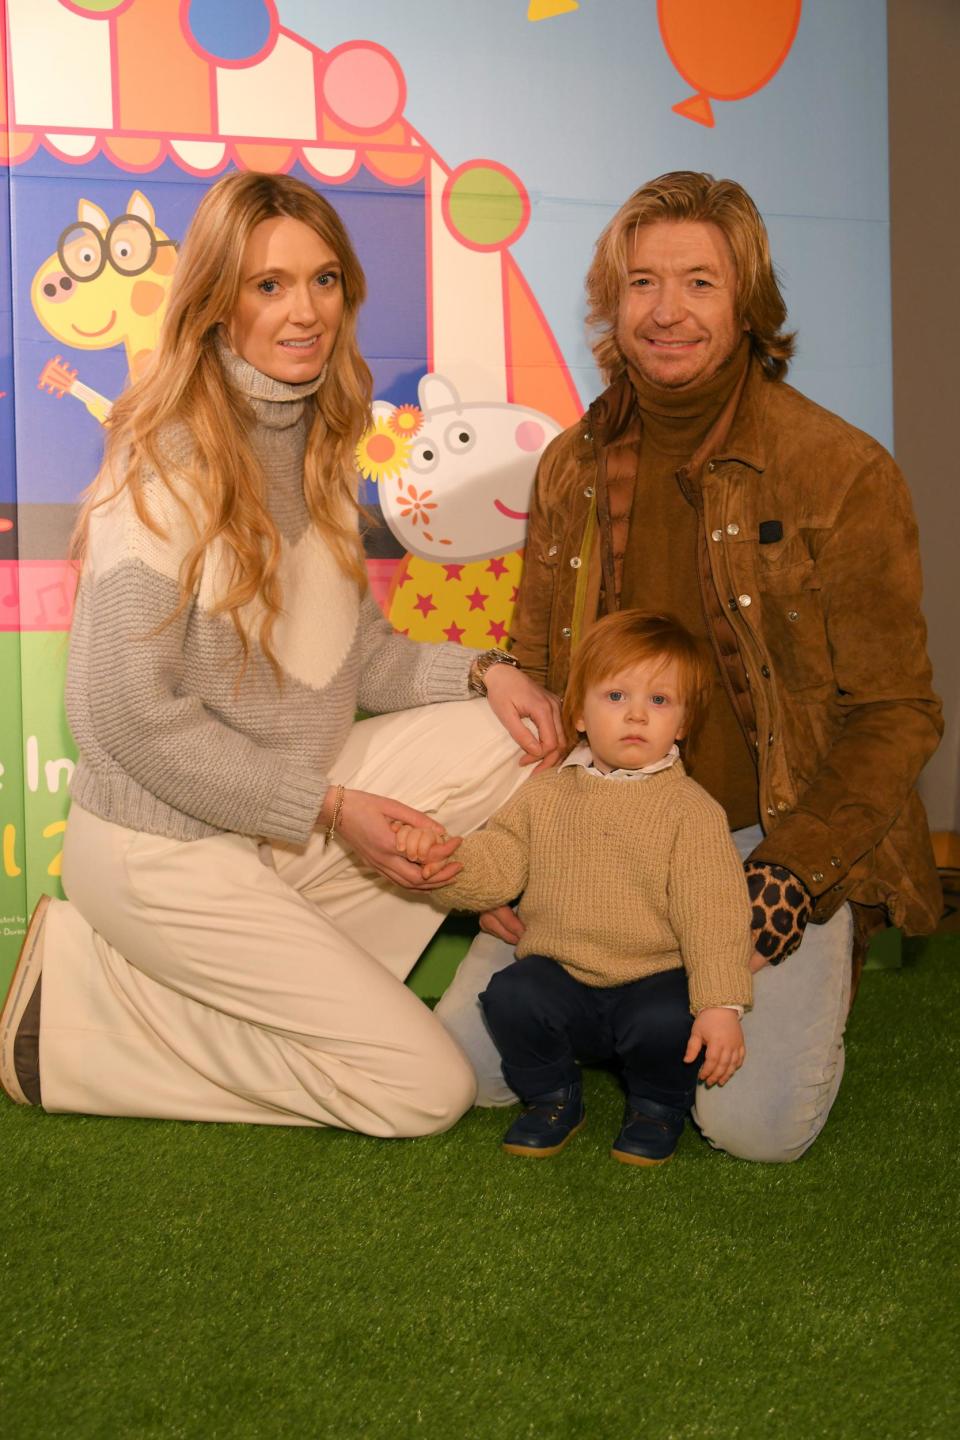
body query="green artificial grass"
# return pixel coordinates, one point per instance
(166, 1279)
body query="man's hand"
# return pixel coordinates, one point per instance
(719, 1031)
(781, 908)
(513, 698)
(503, 924)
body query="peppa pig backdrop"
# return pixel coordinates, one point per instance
(475, 148)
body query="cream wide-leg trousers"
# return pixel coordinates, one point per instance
(220, 979)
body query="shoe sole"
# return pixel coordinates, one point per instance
(626, 1159)
(28, 971)
(533, 1154)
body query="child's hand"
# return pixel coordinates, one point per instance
(426, 848)
(717, 1030)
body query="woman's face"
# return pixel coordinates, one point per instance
(290, 303)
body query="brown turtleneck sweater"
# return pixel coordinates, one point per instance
(660, 564)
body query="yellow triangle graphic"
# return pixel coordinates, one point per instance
(546, 9)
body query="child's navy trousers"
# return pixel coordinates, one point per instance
(544, 1021)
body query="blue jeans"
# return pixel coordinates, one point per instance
(778, 1102)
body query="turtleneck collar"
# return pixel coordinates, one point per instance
(275, 403)
(675, 422)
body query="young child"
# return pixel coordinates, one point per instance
(637, 939)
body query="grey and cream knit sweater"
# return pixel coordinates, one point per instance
(620, 880)
(169, 742)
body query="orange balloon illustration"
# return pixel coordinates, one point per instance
(726, 49)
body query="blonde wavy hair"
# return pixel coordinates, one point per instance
(185, 385)
(692, 195)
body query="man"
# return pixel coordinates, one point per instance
(701, 484)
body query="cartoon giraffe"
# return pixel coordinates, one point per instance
(106, 284)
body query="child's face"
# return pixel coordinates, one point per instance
(633, 717)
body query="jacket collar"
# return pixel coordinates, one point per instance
(745, 437)
(737, 435)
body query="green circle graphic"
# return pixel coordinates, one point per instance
(486, 207)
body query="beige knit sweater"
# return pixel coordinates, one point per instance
(620, 880)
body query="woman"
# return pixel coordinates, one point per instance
(232, 948)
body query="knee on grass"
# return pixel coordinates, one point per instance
(772, 1139)
(443, 1089)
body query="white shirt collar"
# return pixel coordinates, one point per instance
(583, 756)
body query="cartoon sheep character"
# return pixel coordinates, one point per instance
(454, 482)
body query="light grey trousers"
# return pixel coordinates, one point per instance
(778, 1102)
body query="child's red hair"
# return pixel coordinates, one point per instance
(635, 637)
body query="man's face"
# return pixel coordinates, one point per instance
(677, 322)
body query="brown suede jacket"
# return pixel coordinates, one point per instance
(810, 579)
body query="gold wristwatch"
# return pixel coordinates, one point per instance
(481, 665)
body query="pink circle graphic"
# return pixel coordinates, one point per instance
(529, 435)
(363, 86)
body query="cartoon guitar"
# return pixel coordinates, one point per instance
(60, 379)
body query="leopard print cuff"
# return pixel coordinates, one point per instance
(781, 909)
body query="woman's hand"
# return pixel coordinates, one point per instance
(513, 698)
(366, 825)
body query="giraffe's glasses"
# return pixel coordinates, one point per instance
(129, 245)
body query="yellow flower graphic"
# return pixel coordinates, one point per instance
(379, 454)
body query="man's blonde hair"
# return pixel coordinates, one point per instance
(692, 195)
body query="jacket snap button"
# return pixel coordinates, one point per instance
(744, 600)
(732, 603)
(835, 861)
(711, 467)
(576, 562)
(589, 492)
(553, 549)
(817, 876)
(587, 435)
(765, 671)
(770, 810)
(733, 528)
(770, 738)
(716, 534)
(793, 615)
(782, 805)
(566, 632)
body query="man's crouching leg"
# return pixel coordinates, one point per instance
(460, 1012)
(778, 1102)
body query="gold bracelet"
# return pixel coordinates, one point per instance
(338, 806)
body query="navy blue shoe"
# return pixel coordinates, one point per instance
(547, 1122)
(649, 1133)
